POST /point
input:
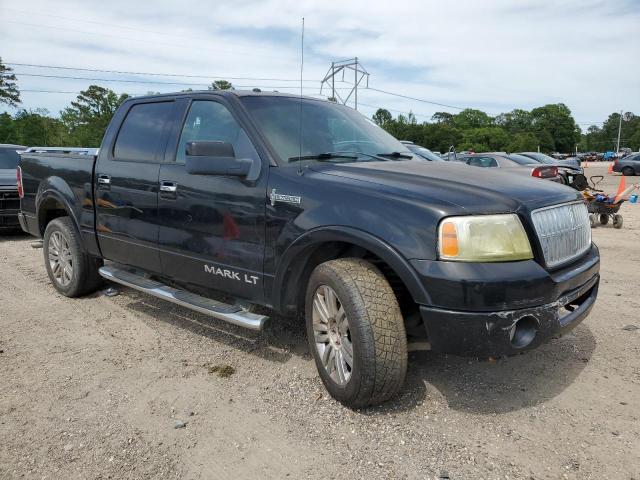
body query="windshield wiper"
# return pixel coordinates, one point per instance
(394, 155)
(322, 156)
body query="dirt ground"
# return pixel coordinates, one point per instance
(96, 388)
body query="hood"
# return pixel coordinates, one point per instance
(474, 189)
(8, 178)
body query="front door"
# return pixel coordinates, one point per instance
(126, 188)
(212, 228)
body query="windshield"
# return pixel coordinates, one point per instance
(8, 158)
(425, 153)
(326, 128)
(541, 157)
(521, 159)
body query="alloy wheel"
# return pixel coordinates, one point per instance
(332, 335)
(60, 259)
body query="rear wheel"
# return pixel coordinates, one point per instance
(593, 220)
(356, 332)
(604, 218)
(628, 171)
(72, 271)
(617, 221)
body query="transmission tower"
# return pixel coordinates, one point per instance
(346, 68)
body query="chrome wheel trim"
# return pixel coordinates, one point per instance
(60, 259)
(332, 335)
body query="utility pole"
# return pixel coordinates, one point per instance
(619, 129)
(359, 74)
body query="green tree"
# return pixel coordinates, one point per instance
(88, 116)
(471, 118)
(8, 130)
(557, 121)
(38, 128)
(220, 85)
(444, 117)
(485, 139)
(515, 121)
(9, 93)
(382, 117)
(522, 142)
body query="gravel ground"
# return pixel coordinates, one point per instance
(131, 387)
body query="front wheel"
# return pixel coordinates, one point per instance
(356, 332)
(604, 218)
(628, 171)
(72, 271)
(617, 221)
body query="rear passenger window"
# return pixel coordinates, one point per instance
(142, 132)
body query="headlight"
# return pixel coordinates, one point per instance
(483, 238)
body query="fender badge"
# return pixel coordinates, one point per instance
(278, 197)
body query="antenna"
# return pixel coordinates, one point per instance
(300, 119)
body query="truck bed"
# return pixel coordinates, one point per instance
(62, 176)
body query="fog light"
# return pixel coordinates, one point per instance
(523, 332)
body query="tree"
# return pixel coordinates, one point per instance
(486, 139)
(557, 121)
(9, 93)
(471, 118)
(443, 117)
(382, 117)
(37, 128)
(522, 142)
(515, 121)
(89, 115)
(8, 130)
(221, 85)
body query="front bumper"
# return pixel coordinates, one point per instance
(495, 310)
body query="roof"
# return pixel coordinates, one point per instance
(10, 145)
(228, 93)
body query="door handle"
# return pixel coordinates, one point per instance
(104, 182)
(168, 189)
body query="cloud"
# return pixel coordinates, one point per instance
(493, 55)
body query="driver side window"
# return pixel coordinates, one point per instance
(210, 121)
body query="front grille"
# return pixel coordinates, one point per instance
(9, 200)
(564, 232)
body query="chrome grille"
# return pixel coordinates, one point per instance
(564, 232)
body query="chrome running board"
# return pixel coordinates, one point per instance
(223, 311)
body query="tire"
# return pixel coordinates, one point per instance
(593, 220)
(372, 327)
(628, 171)
(617, 221)
(77, 272)
(604, 218)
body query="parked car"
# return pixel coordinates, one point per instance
(512, 163)
(9, 199)
(195, 193)
(629, 165)
(422, 152)
(541, 157)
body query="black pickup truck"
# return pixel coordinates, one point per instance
(306, 207)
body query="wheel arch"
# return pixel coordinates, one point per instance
(52, 204)
(328, 243)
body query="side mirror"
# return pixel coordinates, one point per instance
(215, 158)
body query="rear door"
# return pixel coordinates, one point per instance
(212, 229)
(126, 188)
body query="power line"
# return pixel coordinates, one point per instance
(155, 74)
(415, 99)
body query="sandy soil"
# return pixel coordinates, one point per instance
(95, 387)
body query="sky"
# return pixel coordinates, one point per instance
(494, 55)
